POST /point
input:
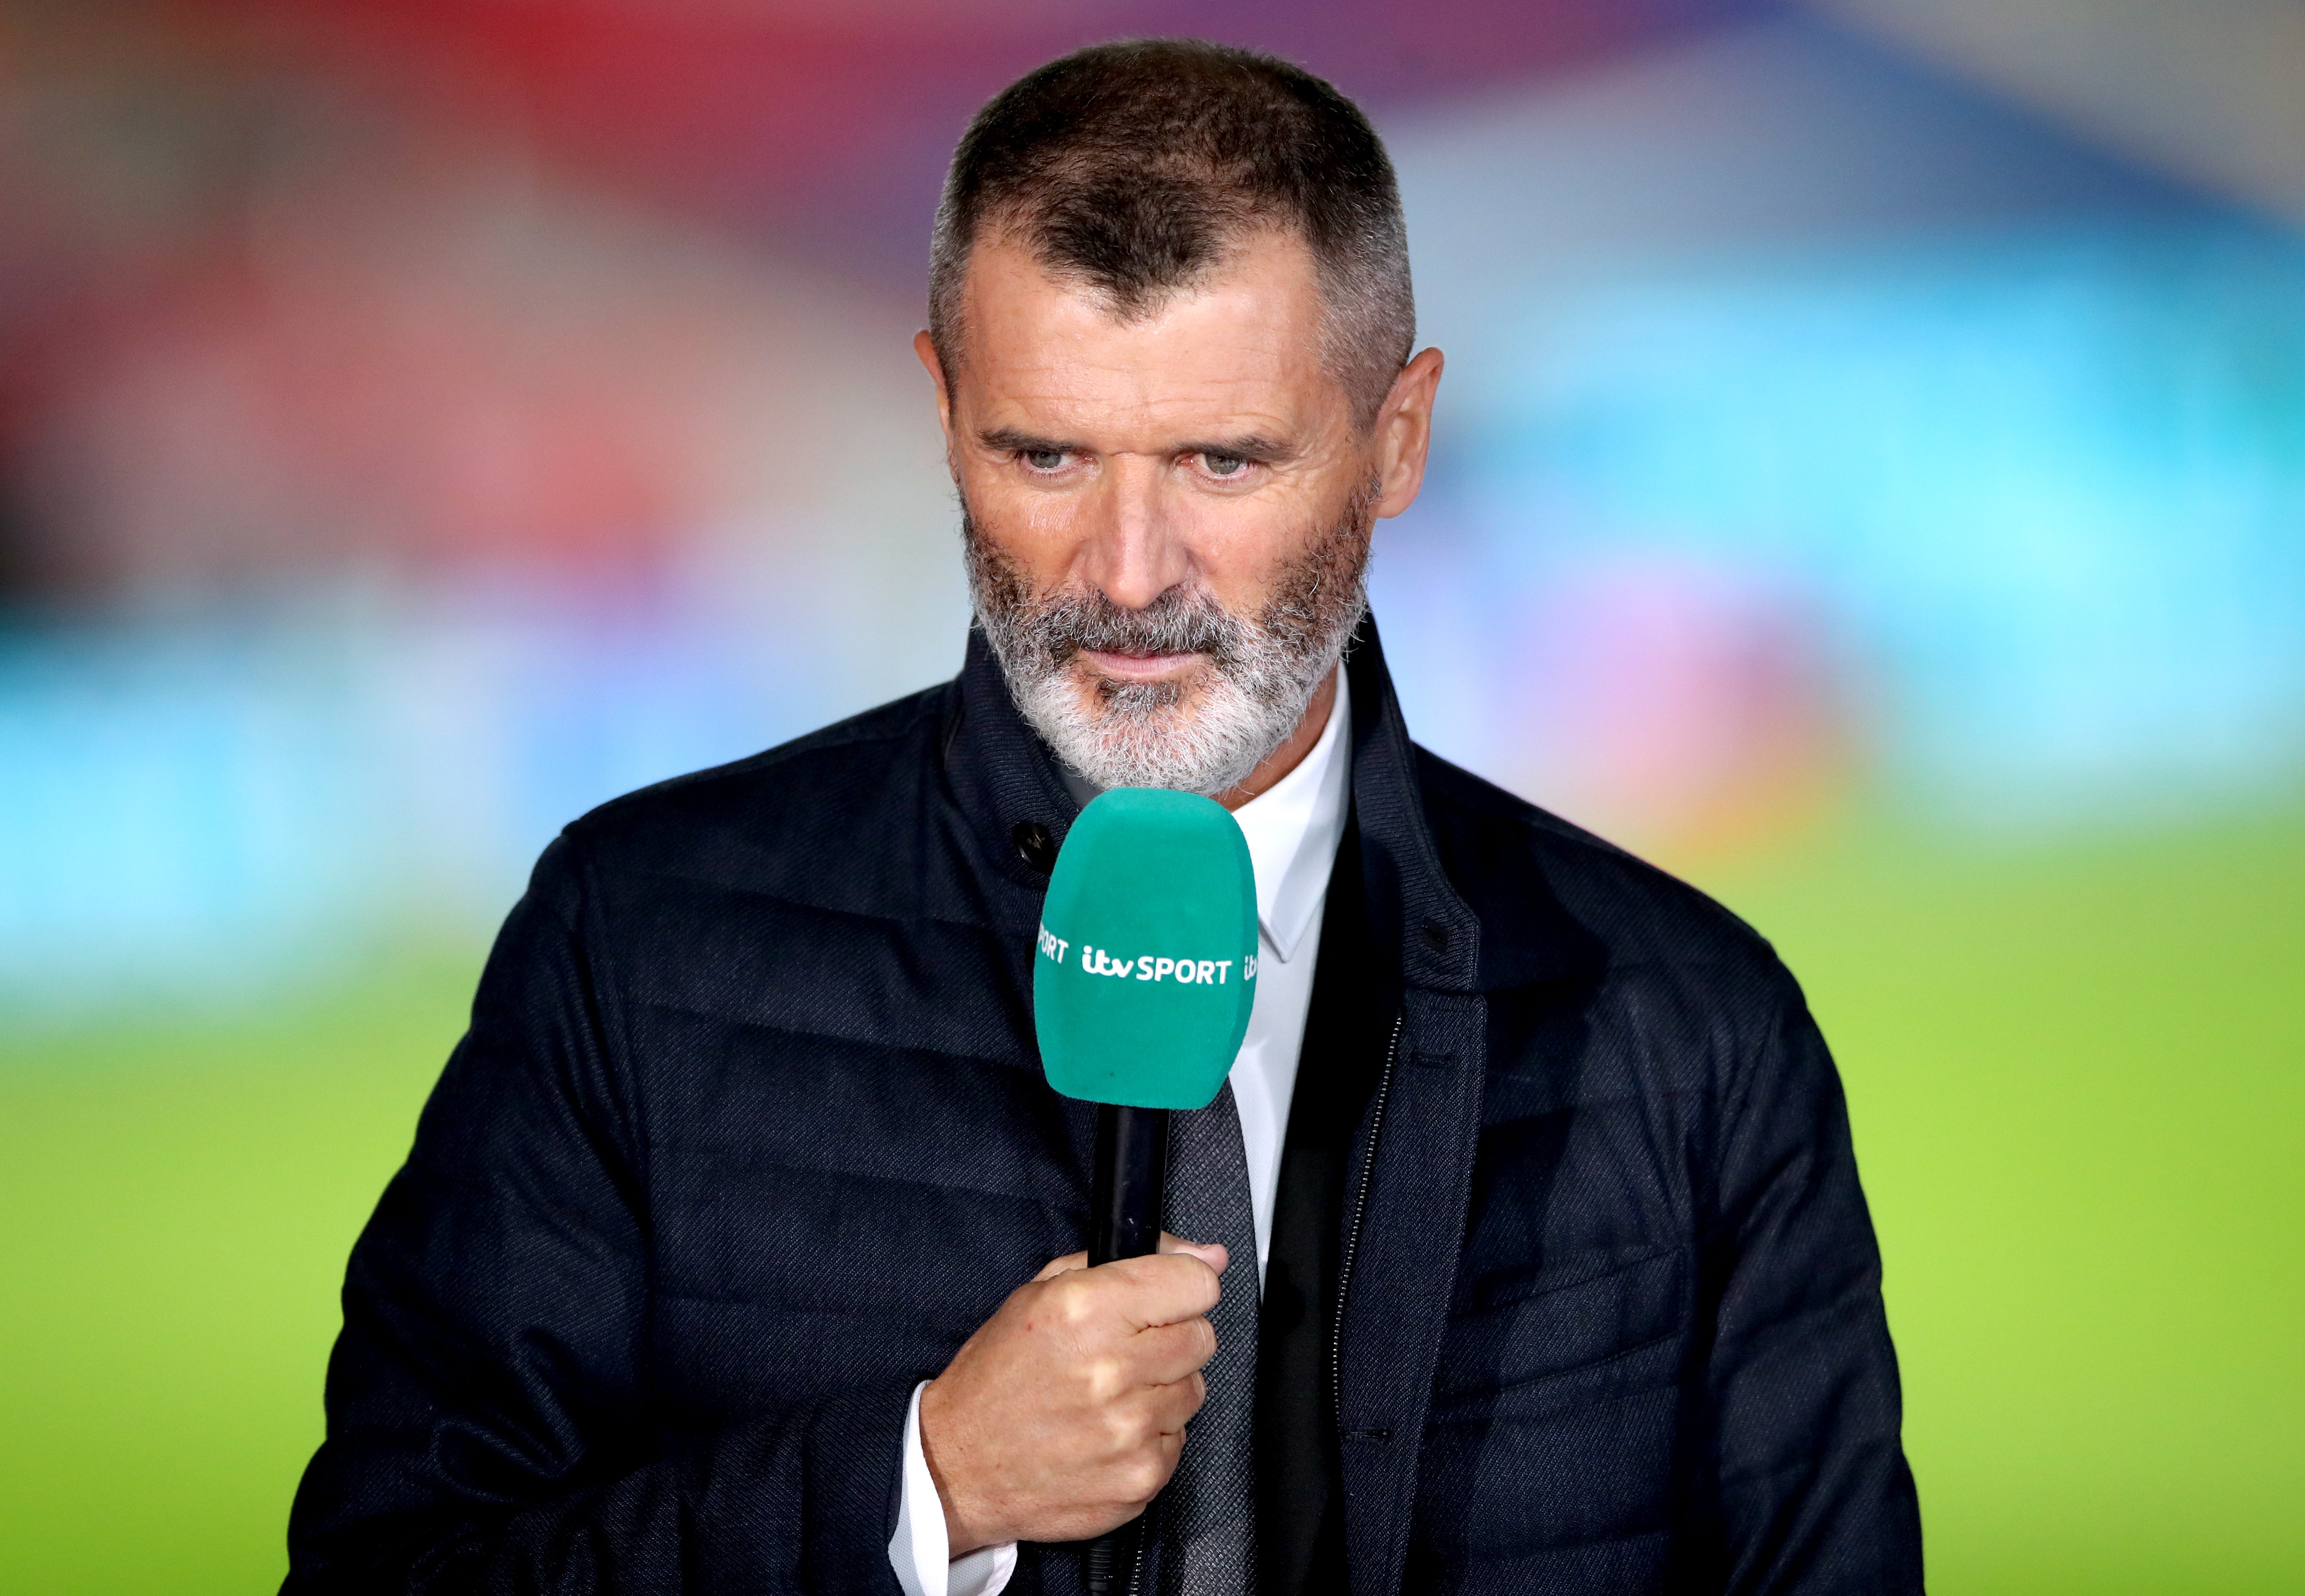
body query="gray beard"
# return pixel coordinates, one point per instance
(1202, 736)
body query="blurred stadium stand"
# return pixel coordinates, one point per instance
(419, 422)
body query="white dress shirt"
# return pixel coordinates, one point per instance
(1293, 829)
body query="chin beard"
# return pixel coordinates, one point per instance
(1204, 734)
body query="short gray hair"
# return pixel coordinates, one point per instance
(1135, 167)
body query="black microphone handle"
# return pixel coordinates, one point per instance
(1124, 1221)
(1132, 1171)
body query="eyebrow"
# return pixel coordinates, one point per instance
(1251, 445)
(1010, 440)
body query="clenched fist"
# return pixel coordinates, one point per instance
(1063, 1415)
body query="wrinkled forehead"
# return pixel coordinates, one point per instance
(1243, 337)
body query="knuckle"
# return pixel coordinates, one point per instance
(1074, 1300)
(1124, 1431)
(1146, 1478)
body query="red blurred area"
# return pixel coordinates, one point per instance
(289, 286)
(745, 104)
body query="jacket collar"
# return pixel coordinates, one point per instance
(1003, 775)
(1417, 916)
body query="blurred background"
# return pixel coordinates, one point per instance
(1871, 482)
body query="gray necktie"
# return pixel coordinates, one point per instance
(1208, 1513)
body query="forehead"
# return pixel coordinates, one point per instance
(1241, 346)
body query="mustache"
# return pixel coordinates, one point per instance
(1054, 626)
(1314, 595)
(1182, 620)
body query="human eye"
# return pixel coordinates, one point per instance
(1224, 468)
(1045, 462)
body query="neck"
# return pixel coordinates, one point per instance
(1292, 751)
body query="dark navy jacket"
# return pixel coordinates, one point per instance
(749, 1133)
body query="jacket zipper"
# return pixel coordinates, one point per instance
(1360, 1211)
(1136, 1563)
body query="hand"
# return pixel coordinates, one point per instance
(1064, 1413)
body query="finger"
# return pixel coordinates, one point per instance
(1161, 1290)
(1168, 1409)
(1215, 1254)
(1212, 1253)
(1062, 1266)
(1129, 1484)
(1161, 1355)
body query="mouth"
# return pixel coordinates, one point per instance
(1139, 667)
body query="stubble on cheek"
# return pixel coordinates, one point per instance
(1322, 589)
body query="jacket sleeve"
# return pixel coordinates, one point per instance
(490, 1421)
(1809, 1486)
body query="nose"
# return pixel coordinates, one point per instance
(1134, 550)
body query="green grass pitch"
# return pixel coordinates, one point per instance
(2077, 1078)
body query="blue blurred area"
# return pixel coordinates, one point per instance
(216, 809)
(166, 799)
(2045, 485)
(1820, 429)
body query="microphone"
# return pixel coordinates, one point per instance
(1143, 979)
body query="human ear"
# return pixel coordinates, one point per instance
(925, 348)
(1404, 433)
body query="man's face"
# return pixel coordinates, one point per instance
(1167, 517)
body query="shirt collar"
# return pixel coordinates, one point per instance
(1293, 829)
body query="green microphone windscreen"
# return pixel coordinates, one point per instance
(1146, 966)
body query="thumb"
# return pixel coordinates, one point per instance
(1215, 1254)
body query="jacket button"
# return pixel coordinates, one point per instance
(1436, 935)
(1034, 846)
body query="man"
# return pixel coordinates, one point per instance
(739, 1247)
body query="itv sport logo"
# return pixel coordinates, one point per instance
(1182, 969)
